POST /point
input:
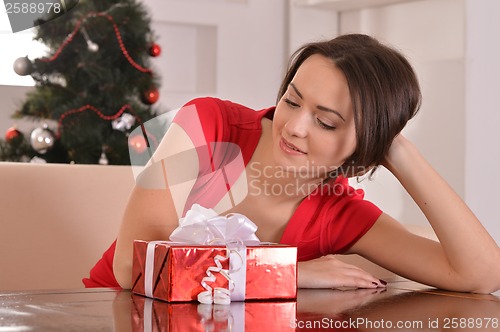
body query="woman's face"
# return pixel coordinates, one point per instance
(313, 126)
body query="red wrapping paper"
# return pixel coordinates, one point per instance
(150, 315)
(271, 271)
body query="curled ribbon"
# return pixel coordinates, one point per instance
(235, 231)
(220, 295)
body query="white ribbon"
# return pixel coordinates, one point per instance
(149, 267)
(235, 231)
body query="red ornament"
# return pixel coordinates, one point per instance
(137, 143)
(150, 96)
(154, 50)
(12, 135)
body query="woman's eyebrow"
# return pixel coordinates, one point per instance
(321, 108)
(326, 109)
(296, 90)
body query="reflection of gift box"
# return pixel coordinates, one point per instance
(176, 271)
(152, 315)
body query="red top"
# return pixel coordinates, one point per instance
(328, 221)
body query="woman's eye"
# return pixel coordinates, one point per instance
(291, 103)
(324, 125)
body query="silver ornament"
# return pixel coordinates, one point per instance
(123, 123)
(23, 66)
(42, 139)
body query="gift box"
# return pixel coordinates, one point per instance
(152, 315)
(216, 259)
(178, 271)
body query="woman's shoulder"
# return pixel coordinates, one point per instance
(346, 216)
(225, 105)
(231, 112)
(338, 194)
(215, 103)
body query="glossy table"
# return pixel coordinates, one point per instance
(404, 306)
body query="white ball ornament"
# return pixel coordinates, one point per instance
(42, 139)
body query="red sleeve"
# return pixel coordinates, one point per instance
(352, 221)
(224, 135)
(330, 221)
(102, 274)
(222, 121)
(346, 221)
(203, 120)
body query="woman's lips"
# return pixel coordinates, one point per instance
(290, 148)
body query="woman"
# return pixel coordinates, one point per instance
(340, 111)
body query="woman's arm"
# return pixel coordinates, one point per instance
(149, 215)
(157, 200)
(465, 259)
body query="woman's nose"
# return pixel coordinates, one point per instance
(297, 124)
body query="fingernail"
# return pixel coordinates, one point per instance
(383, 282)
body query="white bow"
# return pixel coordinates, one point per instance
(235, 231)
(204, 226)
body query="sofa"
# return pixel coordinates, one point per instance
(56, 221)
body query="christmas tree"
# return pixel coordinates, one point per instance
(92, 89)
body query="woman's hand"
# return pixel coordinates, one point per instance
(397, 147)
(330, 272)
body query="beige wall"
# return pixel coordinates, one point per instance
(483, 112)
(248, 49)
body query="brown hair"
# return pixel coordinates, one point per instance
(384, 90)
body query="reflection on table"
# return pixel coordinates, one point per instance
(403, 306)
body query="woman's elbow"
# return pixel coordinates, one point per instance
(483, 283)
(488, 285)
